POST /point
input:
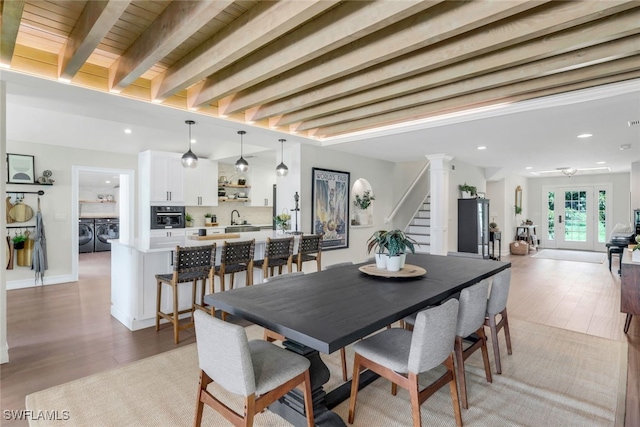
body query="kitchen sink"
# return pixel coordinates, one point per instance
(241, 228)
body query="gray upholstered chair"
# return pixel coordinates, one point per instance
(257, 370)
(191, 264)
(473, 307)
(340, 264)
(400, 356)
(497, 305)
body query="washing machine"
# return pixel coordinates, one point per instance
(86, 235)
(106, 228)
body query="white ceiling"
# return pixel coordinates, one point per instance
(541, 133)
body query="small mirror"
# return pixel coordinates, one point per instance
(518, 199)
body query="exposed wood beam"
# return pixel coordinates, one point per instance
(591, 34)
(332, 30)
(557, 83)
(557, 17)
(9, 26)
(94, 23)
(558, 64)
(261, 25)
(382, 46)
(177, 23)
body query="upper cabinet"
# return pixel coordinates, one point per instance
(262, 181)
(201, 184)
(162, 176)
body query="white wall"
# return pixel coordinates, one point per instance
(56, 203)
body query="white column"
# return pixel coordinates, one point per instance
(290, 184)
(439, 178)
(4, 346)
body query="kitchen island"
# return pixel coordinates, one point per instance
(135, 263)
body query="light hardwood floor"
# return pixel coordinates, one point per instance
(64, 332)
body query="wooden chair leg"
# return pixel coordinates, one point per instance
(308, 400)
(507, 335)
(453, 387)
(485, 354)
(355, 380)
(158, 297)
(415, 400)
(394, 389)
(343, 359)
(176, 316)
(462, 379)
(233, 275)
(249, 410)
(202, 386)
(193, 297)
(494, 343)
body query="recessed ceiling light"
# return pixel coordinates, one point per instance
(63, 80)
(600, 163)
(625, 146)
(529, 167)
(482, 147)
(156, 101)
(127, 131)
(3, 65)
(193, 140)
(107, 182)
(585, 135)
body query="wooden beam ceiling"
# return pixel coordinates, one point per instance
(325, 68)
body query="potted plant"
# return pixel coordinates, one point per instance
(468, 191)
(493, 226)
(282, 222)
(18, 241)
(397, 243)
(362, 203)
(207, 218)
(635, 253)
(188, 219)
(377, 243)
(518, 209)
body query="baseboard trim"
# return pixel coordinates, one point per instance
(31, 283)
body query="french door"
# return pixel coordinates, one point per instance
(577, 217)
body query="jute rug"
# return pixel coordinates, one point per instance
(554, 378)
(579, 256)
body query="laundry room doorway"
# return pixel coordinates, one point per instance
(102, 209)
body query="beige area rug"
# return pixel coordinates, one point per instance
(579, 256)
(554, 378)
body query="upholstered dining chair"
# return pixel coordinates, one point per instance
(309, 249)
(277, 253)
(258, 370)
(401, 356)
(190, 265)
(471, 314)
(497, 305)
(271, 336)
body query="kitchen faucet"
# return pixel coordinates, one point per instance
(232, 221)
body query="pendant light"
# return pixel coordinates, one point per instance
(282, 169)
(189, 159)
(241, 164)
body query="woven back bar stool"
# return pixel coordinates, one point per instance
(235, 257)
(190, 265)
(277, 253)
(309, 249)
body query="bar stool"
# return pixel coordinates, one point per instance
(190, 265)
(309, 249)
(202, 305)
(236, 257)
(278, 253)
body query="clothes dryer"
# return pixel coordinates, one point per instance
(86, 234)
(106, 228)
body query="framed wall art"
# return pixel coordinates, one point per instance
(330, 207)
(20, 169)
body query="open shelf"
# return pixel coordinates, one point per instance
(233, 185)
(96, 201)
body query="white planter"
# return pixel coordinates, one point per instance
(381, 260)
(393, 263)
(403, 259)
(466, 194)
(635, 256)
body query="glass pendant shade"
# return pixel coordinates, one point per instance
(189, 159)
(282, 169)
(241, 164)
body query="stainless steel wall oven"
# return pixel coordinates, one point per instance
(167, 217)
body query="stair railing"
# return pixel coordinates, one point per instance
(412, 196)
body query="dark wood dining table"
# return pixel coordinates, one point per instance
(327, 310)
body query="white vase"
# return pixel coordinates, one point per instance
(381, 260)
(635, 256)
(403, 259)
(393, 263)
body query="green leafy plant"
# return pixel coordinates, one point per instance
(397, 242)
(208, 215)
(188, 217)
(493, 225)
(637, 246)
(518, 209)
(377, 241)
(468, 188)
(282, 220)
(364, 201)
(19, 238)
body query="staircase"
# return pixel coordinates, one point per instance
(420, 228)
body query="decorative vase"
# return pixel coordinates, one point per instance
(403, 259)
(381, 260)
(393, 263)
(635, 256)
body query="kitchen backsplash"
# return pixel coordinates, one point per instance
(253, 215)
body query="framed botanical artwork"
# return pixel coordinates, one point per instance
(330, 207)
(20, 169)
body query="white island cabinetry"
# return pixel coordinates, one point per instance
(201, 184)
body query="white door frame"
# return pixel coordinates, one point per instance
(592, 220)
(126, 205)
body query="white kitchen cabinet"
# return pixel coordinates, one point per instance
(261, 181)
(167, 238)
(201, 184)
(165, 177)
